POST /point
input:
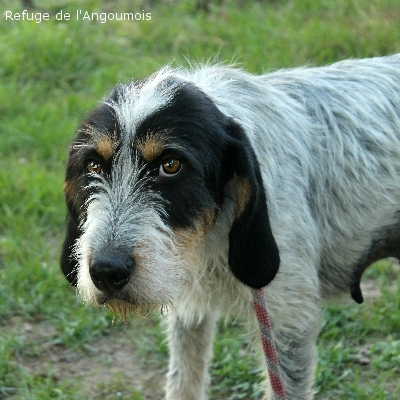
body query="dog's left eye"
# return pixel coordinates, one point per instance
(94, 167)
(170, 167)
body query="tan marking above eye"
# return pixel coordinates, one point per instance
(94, 167)
(170, 167)
(106, 147)
(151, 148)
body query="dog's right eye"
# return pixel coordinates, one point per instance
(94, 167)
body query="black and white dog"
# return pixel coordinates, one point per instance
(188, 188)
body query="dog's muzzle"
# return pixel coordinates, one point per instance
(110, 271)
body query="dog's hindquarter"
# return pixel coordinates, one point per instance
(353, 191)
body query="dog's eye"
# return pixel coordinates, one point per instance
(94, 167)
(170, 167)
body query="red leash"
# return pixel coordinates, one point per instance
(260, 308)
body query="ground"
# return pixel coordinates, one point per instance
(122, 364)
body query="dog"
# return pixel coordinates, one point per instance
(187, 189)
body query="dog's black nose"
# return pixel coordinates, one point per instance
(110, 271)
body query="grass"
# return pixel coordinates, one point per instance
(359, 346)
(51, 74)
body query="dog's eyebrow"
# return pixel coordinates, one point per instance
(99, 139)
(105, 146)
(153, 144)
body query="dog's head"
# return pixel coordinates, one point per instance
(145, 181)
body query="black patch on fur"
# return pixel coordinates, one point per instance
(253, 253)
(69, 265)
(196, 130)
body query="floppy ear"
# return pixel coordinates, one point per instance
(253, 253)
(67, 262)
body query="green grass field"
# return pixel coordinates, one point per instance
(51, 74)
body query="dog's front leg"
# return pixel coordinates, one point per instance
(190, 347)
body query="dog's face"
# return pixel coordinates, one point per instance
(145, 181)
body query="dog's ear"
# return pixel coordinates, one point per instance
(68, 263)
(253, 253)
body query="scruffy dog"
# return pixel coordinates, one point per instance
(186, 189)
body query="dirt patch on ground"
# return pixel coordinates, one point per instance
(369, 289)
(109, 367)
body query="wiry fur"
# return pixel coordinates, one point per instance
(115, 210)
(298, 169)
